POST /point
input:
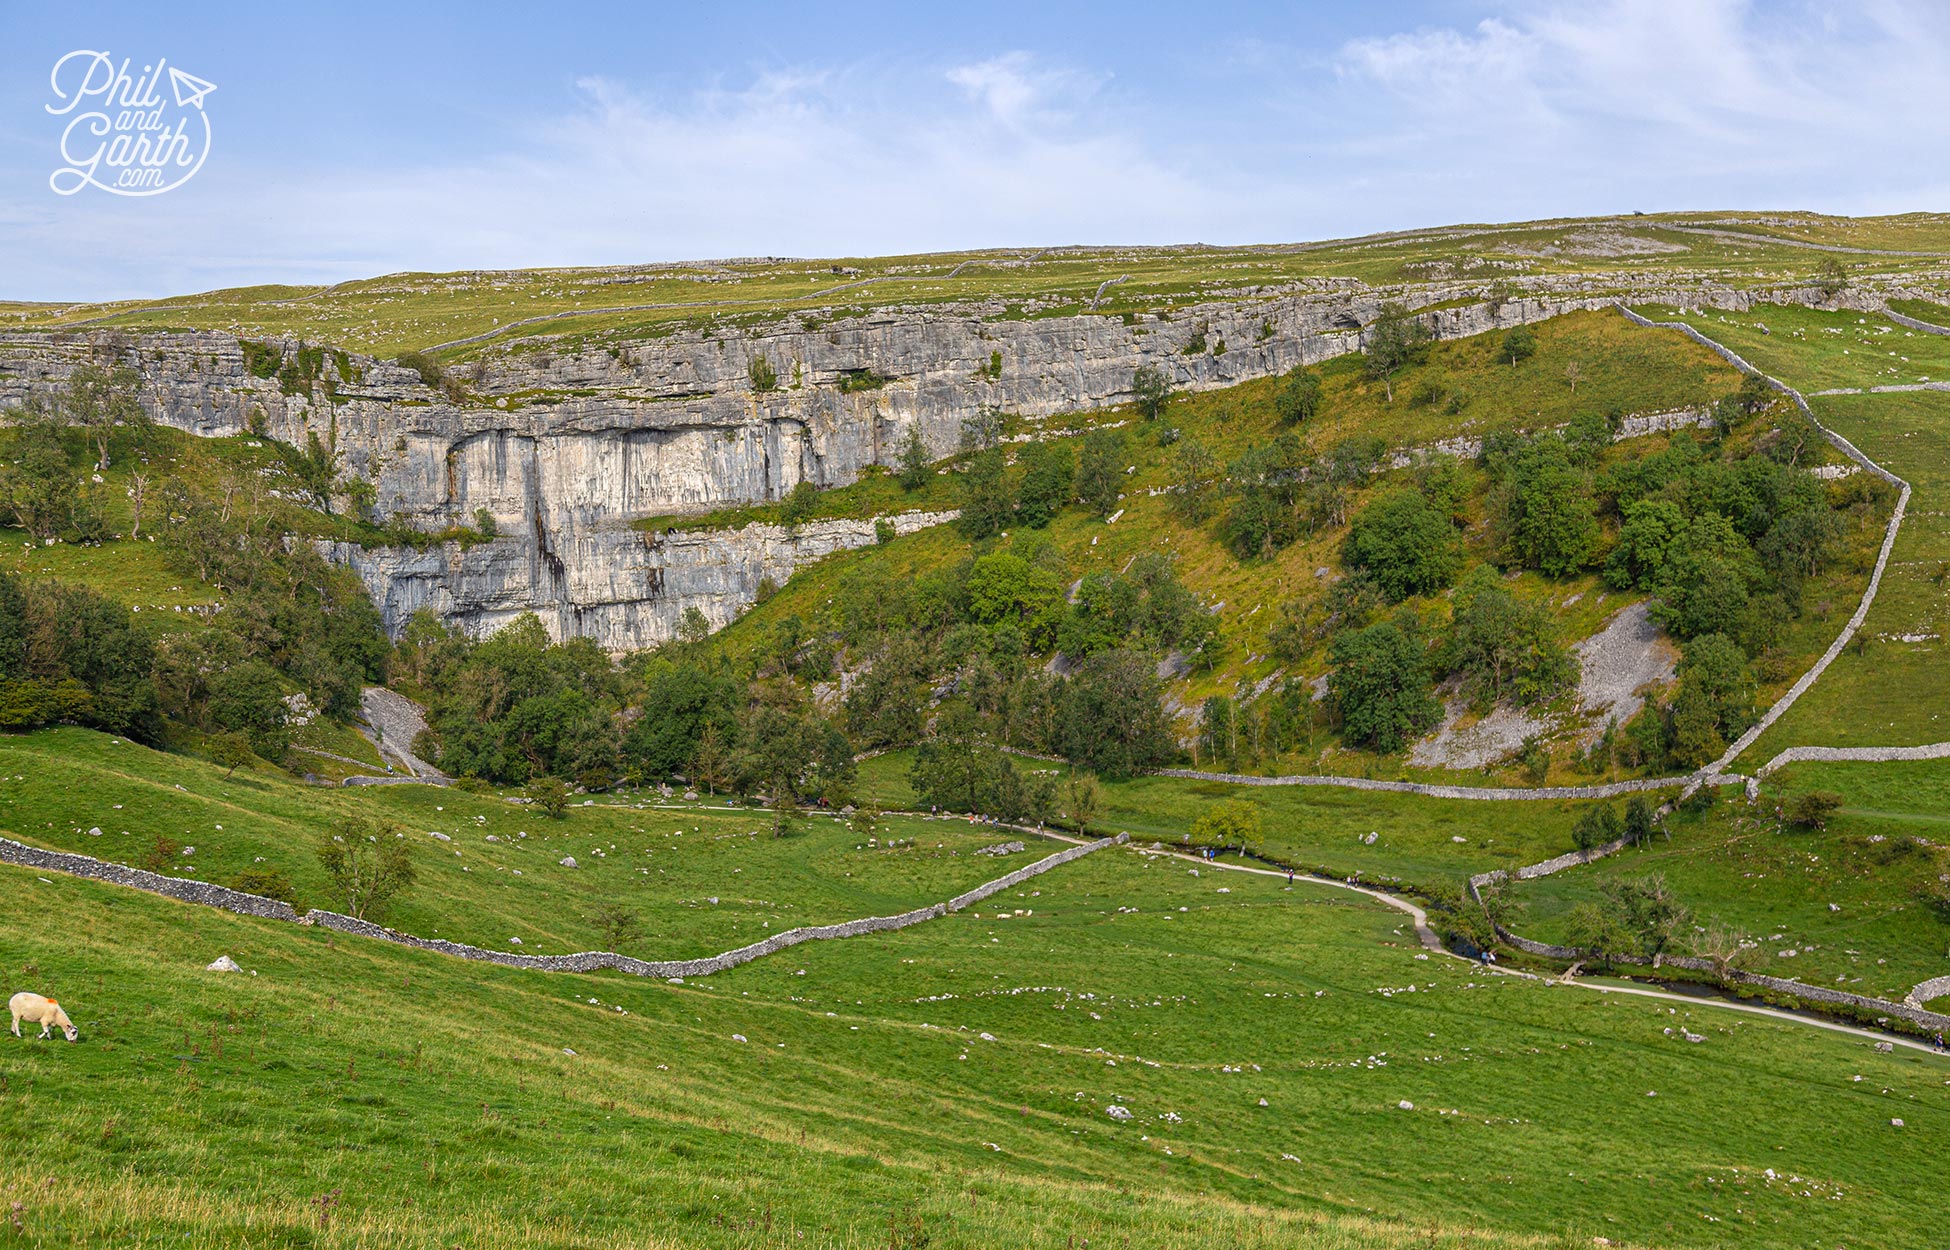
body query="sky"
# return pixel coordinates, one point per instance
(360, 138)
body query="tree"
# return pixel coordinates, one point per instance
(864, 820)
(1811, 808)
(1083, 799)
(1049, 472)
(1196, 475)
(37, 488)
(914, 461)
(1405, 544)
(1596, 826)
(1231, 824)
(1598, 933)
(98, 400)
(1298, 398)
(551, 794)
(229, 751)
(785, 808)
(1729, 949)
(1650, 912)
(711, 762)
(1100, 471)
(1151, 389)
(1574, 373)
(1519, 345)
(764, 376)
(367, 866)
(618, 925)
(1380, 683)
(1500, 646)
(1639, 822)
(1111, 719)
(1396, 339)
(799, 503)
(1715, 700)
(988, 500)
(1556, 529)
(248, 698)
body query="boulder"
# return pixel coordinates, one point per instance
(224, 963)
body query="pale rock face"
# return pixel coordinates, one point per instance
(564, 451)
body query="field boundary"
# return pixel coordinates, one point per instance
(208, 894)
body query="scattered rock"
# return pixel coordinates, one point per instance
(95, 832)
(1116, 1112)
(224, 963)
(568, 861)
(1001, 848)
(1406, 1105)
(1895, 1124)
(737, 1037)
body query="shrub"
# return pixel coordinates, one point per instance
(764, 376)
(369, 866)
(266, 882)
(1811, 808)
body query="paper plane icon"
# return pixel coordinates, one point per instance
(190, 89)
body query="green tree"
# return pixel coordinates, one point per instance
(551, 795)
(1556, 529)
(1500, 646)
(1715, 700)
(1650, 912)
(800, 503)
(1598, 932)
(248, 698)
(1519, 345)
(1100, 471)
(1640, 824)
(1111, 718)
(1395, 340)
(1151, 390)
(99, 400)
(1380, 683)
(1049, 472)
(229, 751)
(988, 498)
(914, 461)
(1831, 277)
(1596, 826)
(1405, 544)
(1083, 799)
(1234, 823)
(368, 866)
(316, 467)
(764, 376)
(1298, 398)
(1196, 477)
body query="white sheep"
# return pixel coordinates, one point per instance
(42, 1011)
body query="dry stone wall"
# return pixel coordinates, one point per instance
(587, 961)
(1777, 985)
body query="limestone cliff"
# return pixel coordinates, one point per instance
(565, 448)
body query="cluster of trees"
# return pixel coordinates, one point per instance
(290, 621)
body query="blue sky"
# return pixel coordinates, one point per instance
(355, 139)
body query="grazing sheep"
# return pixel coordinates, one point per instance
(42, 1011)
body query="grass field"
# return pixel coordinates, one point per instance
(701, 881)
(1420, 841)
(869, 1106)
(1839, 907)
(397, 312)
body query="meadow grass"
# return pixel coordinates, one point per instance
(1419, 841)
(944, 1086)
(701, 880)
(1840, 907)
(389, 314)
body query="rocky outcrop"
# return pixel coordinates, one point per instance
(564, 448)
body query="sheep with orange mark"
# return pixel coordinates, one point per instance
(42, 1011)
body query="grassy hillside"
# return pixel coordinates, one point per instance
(354, 1094)
(700, 880)
(398, 312)
(1461, 388)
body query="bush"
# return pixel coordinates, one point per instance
(551, 795)
(265, 882)
(1811, 809)
(764, 376)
